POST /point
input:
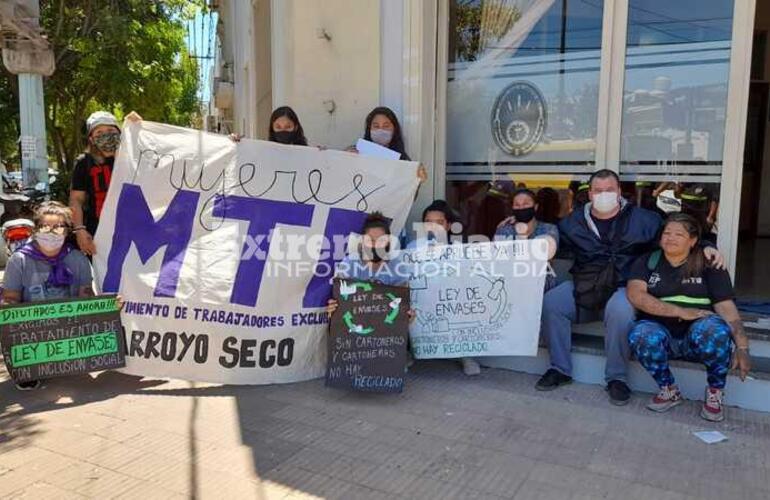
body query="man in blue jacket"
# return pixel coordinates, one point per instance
(605, 232)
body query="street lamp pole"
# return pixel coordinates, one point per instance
(27, 53)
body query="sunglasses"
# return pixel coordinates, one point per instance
(55, 229)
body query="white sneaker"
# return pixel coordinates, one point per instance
(713, 407)
(470, 366)
(667, 398)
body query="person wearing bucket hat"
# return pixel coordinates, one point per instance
(91, 175)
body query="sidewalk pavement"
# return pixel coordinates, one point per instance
(446, 437)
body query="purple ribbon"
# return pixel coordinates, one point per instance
(60, 275)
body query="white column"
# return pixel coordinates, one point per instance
(278, 42)
(735, 130)
(392, 54)
(419, 88)
(611, 82)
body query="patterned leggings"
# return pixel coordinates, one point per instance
(707, 341)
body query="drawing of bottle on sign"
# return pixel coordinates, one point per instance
(464, 304)
(368, 337)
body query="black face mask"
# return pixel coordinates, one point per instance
(285, 136)
(524, 214)
(375, 254)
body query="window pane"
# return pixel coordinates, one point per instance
(482, 205)
(522, 86)
(698, 199)
(675, 94)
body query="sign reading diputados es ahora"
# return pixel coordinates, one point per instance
(224, 251)
(42, 340)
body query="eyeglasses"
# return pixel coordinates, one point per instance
(55, 229)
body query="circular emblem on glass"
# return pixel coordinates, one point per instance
(519, 118)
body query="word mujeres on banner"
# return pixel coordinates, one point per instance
(49, 339)
(368, 337)
(478, 299)
(224, 252)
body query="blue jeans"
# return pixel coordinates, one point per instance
(707, 341)
(560, 311)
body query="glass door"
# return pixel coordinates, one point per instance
(522, 100)
(677, 70)
(540, 93)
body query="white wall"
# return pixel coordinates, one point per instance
(262, 66)
(238, 51)
(310, 73)
(392, 55)
(245, 101)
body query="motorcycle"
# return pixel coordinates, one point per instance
(18, 210)
(16, 233)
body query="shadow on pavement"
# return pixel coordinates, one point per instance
(18, 425)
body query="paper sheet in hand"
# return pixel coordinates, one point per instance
(374, 150)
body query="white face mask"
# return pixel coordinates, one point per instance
(381, 136)
(50, 242)
(605, 202)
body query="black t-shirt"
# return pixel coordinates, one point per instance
(93, 178)
(667, 283)
(604, 226)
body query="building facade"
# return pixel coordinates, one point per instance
(495, 94)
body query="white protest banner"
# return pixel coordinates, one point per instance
(223, 251)
(479, 299)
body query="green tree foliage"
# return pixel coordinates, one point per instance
(118, 55)
(466, 20)
(9, 119)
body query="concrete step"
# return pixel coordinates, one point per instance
(760, 342)
(588, 367)
(592, 344)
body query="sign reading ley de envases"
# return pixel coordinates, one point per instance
(49, 339)
(224, 252)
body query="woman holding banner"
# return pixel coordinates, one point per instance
(437, 219)
(48, 267)
(284, 128)
(91, 175)
(372, 261)
(382, 127)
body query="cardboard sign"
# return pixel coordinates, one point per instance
(480, 299)
(368, 337)
(49, 339)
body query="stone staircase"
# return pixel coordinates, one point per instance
(588, 367)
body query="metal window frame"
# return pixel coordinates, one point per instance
(610, 110)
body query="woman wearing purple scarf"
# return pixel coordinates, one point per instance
(48, 267)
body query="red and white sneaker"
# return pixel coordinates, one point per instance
(667, 398)
(713, 408)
